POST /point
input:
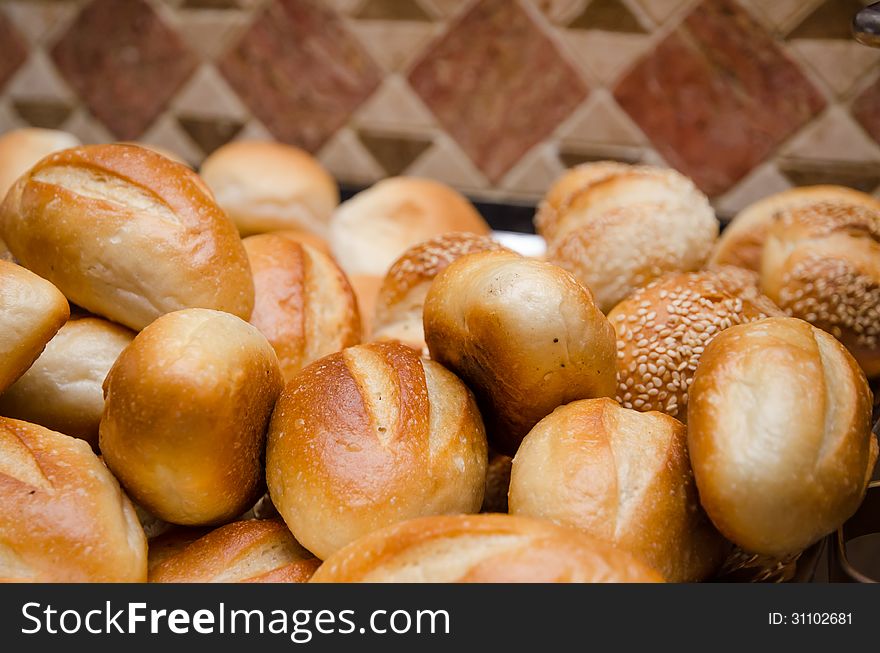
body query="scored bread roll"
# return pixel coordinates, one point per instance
(742, 241)
(63, 517)
(303, 303)
(376, 226)
(523, 334)
(254, 551)
(185, 415)
(625, 478)
(22, 148)
(401, 299)
(779, 431)
(821, 263)
(62, 390)
(265, 186)
(368, 437)
(481, 549)
(31, 312)
(127, 234)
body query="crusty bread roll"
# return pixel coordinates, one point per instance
(127, 234)
(663, 329)
(22, 148)
(31, 312)
(497, 483)
(779, 431)
(482, 549)
(821, 263)
(625, 478)
(185, 415)
(371, 436)
(158, 149)
(742, 241)
(254, 551)
(375, 227)
(524, 335)
(306, 238)
(402, 295)
(63, 517)
(266, 186)
(303, 303)
(62, 389)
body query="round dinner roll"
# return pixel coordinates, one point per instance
(62, 390)
(31, 312)
(742, 241)
(370, 436)
(524, 335)
(22, 148)
(481, 549)
(303, 303)
(779, 432)
(663, 329)
(623, 477)
(821, 263)
(401, 299)
(254, 551)
(127, 234)
(186, 406)
(372, 229)
(266, 186)
(63, 517)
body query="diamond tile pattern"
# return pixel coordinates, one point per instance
(13, 50)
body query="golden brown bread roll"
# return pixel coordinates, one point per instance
(31, 312)
(22, 148)
(62, 390)
(623, 477)
(306, 238)
(524, 335)
(254, 551)
(481, 549)
(779, 431)
(376, 226)
(185, 415)
(402, 295)
(663, 329)
(265, 186)
(303, 303)
(127, 234)
(497, 483)
(368, 437)
(742, 241)
(63, 517)
(821, 263)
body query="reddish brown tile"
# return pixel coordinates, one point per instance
(124, 62)
(718, 95)
(497, 84)
(610, 15)
(830, 20)
(394, 153)
(48, 114)
(210, 133)
(301, 72)
(13, 51)
(866, 110)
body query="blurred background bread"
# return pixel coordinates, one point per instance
(482, 549)
(22, 148)
(779, 431)
(371, 436)
(186, 409)
(63, 517)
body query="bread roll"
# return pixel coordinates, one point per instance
(401, 299)
(481, 549)
(779, 431)
(497, 483)
(366, 289)
(303, 303)
(164, 151)
(742, 241)
(265, 186)
(623, 477)
(31, 312)
(312, 240)
(185, 415)
(127, 234)
(22, 148)
(254, 551)
(375, 227)
(371, 436)
(63, 517)
(821, 263)
(62, 389)
(663, 329)
(523, 334)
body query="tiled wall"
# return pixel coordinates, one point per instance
(493, 96)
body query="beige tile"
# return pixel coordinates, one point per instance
(166, 133)
(254, 130)
(396, 106)
(209, 33)
(560, 11)
(348, 160)
(781, 15)
(445, 162)
(38, 78)
(604, 56)
(86, 128)
(446, 8)
(394, 44)
(208, 94)
(838, 64)
(661, 10)
(600, 121)
(9, 120)
(834, 136)
(40, 22)
(346, 6)
(762, 181)
(534, 173)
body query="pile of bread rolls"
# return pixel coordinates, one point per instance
(232, 377)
